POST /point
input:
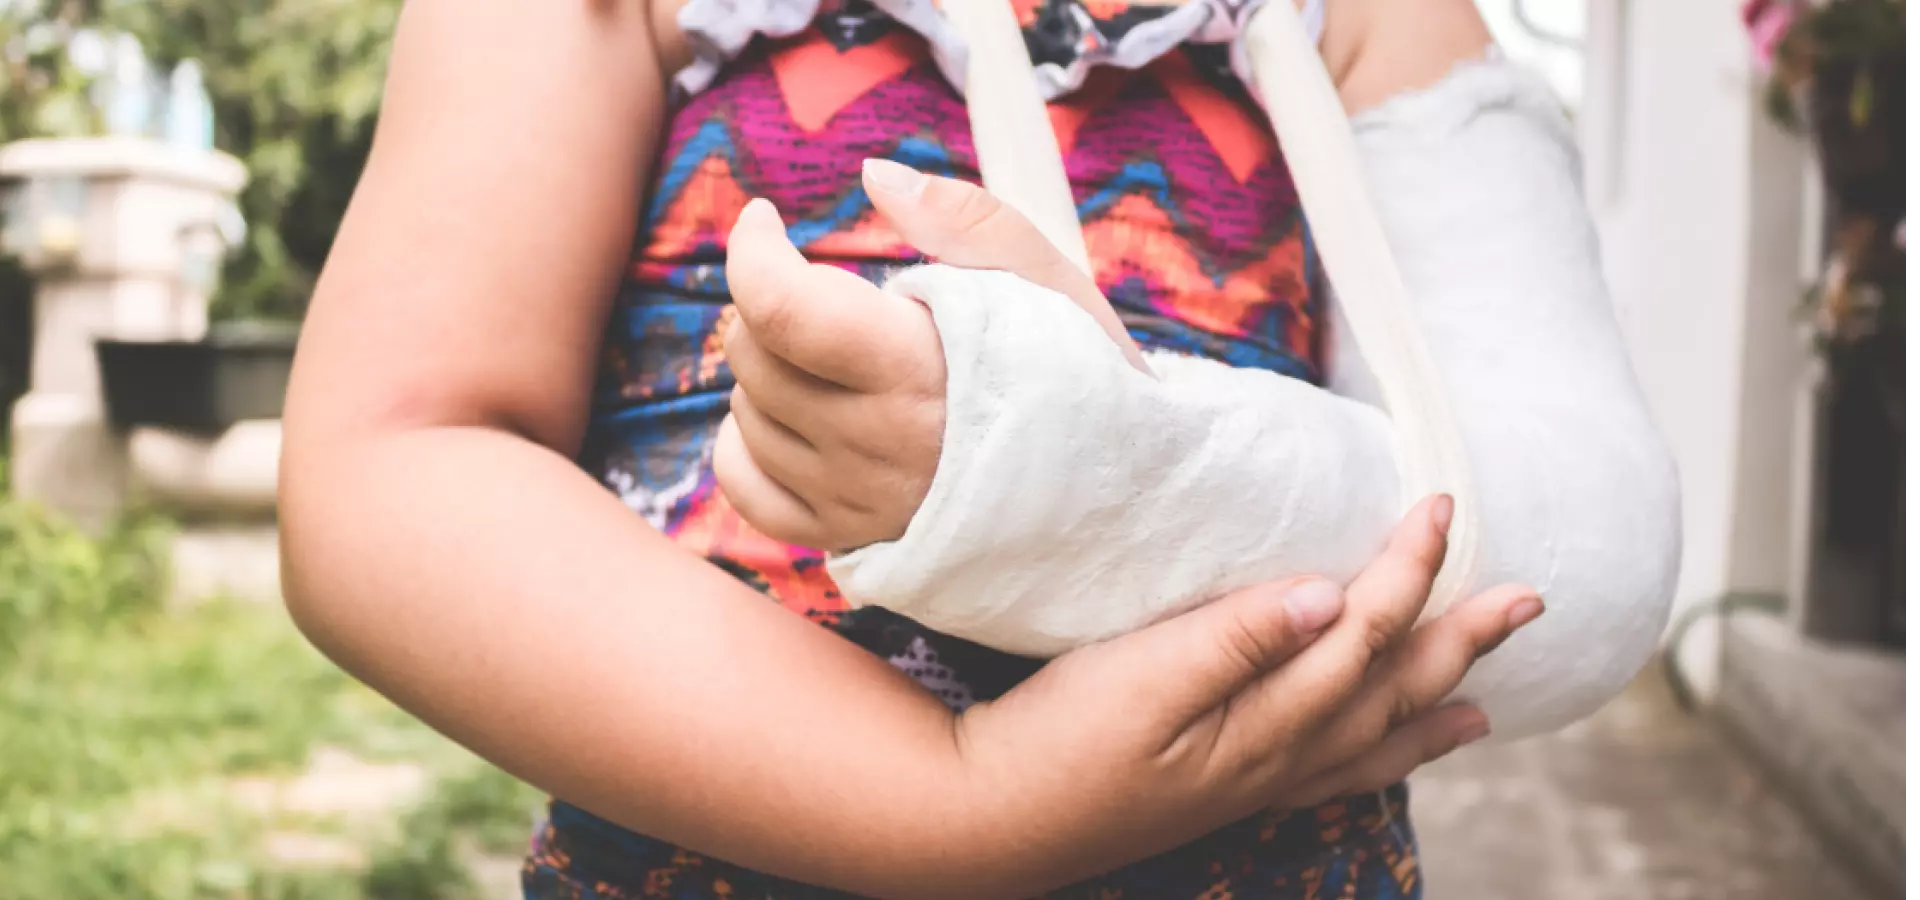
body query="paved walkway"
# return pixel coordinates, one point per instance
(1640, 802)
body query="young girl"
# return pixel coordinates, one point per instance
(491, 360)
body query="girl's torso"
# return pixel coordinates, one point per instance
(1194, 232)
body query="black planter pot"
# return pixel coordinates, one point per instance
(235, 374)
(1862, 535)
(1862, 161)
(16, 336)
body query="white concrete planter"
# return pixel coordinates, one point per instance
(117, 220)
(123, 237)
(105, 226)
(222, 488)
(231, 475)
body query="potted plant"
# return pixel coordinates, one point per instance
(1835, 70)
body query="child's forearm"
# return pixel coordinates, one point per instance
(489, 587)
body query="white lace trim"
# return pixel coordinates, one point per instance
(719, 30)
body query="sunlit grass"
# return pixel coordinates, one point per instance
(169, 754)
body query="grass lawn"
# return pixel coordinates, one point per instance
(150, 754)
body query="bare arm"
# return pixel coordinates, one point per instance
(439, 543)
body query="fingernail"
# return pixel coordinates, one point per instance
(1442, 512)
(1313, 604)
(1524, 611)
(1478, 730)
(893, 178)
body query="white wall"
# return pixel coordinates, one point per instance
(1698, 204)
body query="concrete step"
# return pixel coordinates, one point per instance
(1828, 724)
(1640, 802)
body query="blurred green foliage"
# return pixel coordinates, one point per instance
(41, 93)
(295, 86)
(126, 727)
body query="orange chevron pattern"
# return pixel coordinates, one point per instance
(1068, 113)
(700, 216)
(1242, 141)
(819, 80)
(1136, 236)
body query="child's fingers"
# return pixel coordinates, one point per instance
(1440, 652)
(1399, 581)
(960, 224)
(1426, 668)
(1381, 606)
(779, 389)
(1423, 740)
(782, 453)
(766, 505)
(825, 320)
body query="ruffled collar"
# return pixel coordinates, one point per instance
(1067, 39)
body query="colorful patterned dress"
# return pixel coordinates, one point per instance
(1194, 231)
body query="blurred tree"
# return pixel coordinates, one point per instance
(41, 92)
(295, 86)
